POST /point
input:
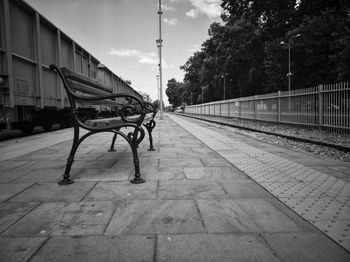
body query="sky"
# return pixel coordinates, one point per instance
(122, 34)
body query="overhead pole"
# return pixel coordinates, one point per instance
(159, 45)
(158, 91)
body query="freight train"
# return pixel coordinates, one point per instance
(30, 93)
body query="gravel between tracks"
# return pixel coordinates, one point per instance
(307, 133)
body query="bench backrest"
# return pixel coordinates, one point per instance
(84, 84)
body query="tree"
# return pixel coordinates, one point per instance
(246, 52)
(156, 104)
(176, 92)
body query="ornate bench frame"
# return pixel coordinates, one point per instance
(132, 114)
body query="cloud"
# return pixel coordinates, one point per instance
(194, 13)
(123, 52)
(167, 8)
(143, 58)
(171, 21)
(211, 8)
(148, 60)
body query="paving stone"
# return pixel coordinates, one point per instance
(98, 248)
(9, 190)
(44, 155)
(76, 218)
(337, 229)
(190, 189)
(155, 217)
(175, 150)
(103, 174)
(291, 189)
(305, 247)
(221, 173)
(12, 212)
(165, 145)
(8, 176)
(118, 154)
(157, 155)
(245, 215)
(192, 145)
(211, 247)
(52, 192)
(10, 165)
(165, 173)
(244, 189)
(318, 208)
(203, 149)
(42, 175)
(106, 163)
(179, 162)
(19, 249)
(216, 162)
(122, 190)
(39, 164)
(206, 155)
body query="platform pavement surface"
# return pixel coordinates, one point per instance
(195, 205)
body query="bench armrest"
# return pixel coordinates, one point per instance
(125, 108)
(150, 108)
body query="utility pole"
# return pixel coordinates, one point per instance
(224, 77)
(289, 75)
(158, 91)
(159, 45)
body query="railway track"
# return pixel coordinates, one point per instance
(211, 119)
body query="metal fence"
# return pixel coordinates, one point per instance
(325, 106)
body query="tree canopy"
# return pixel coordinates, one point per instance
(247, 54)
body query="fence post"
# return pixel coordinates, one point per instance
(228, 109)
(240, 109)
(279, 106)
(320, 106)
(255, 98)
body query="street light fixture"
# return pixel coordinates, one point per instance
(158, 90)
(159, 45)
(224, 77)
(289, 75)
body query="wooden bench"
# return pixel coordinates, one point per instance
(97, 109)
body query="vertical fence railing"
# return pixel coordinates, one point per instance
(325, 106)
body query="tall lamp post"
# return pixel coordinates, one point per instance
(289, 75)
(159, 45)
(224, 77)
(158, 90)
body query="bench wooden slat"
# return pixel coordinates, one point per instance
(85, 80)
(114, 121)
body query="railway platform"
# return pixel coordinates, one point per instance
(210, 195)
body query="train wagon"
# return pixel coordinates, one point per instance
(30, 93)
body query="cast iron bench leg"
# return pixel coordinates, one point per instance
(66, 180)
(113, 141)
(149, 126)
(76, 142)
(134, 143)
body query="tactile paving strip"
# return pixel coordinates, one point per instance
(321, 199)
